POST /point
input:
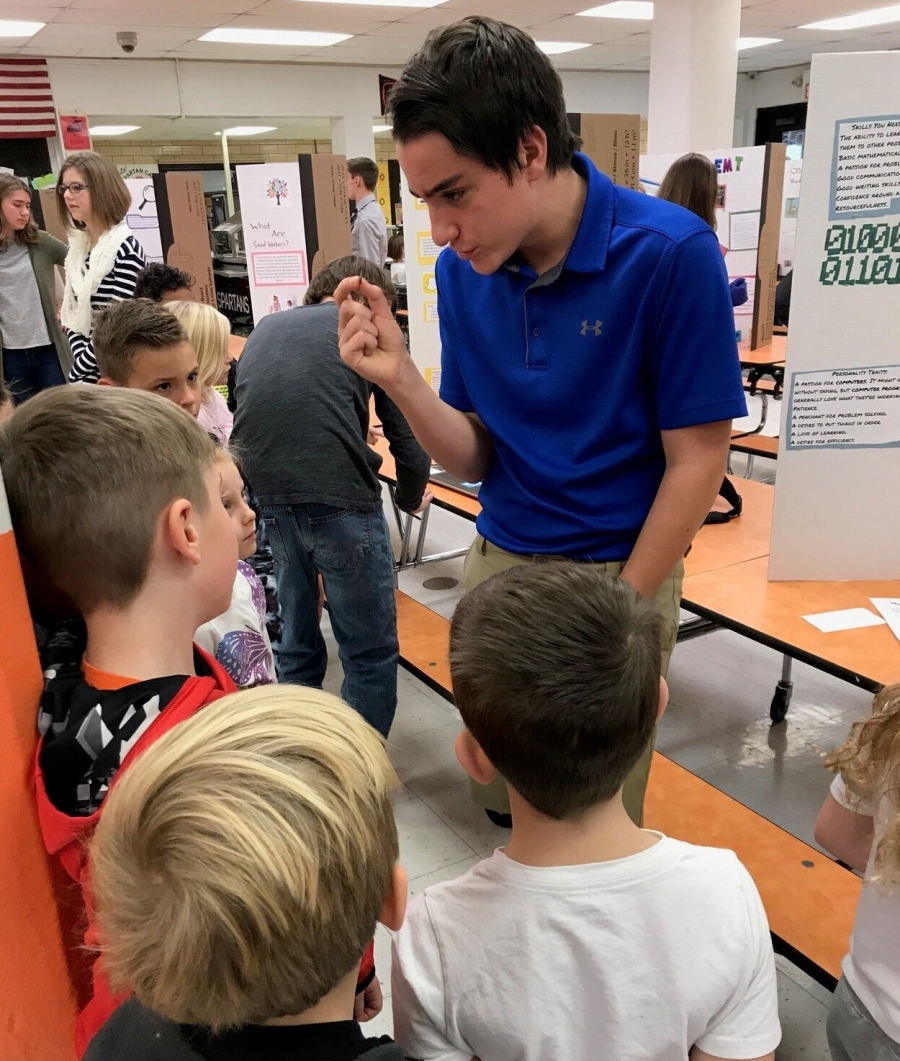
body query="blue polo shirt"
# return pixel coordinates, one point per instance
(576, 373)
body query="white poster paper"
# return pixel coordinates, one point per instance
(835, 506)
(744, 230)
(851, 407)
(142, 217)
(790, 210)
(845, 619)
(421, 258)
(274, 236)
(866, 167)
(741, 172)
(890, 609)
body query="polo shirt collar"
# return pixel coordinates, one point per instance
(591, 244)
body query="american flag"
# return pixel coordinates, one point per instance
(26, 100)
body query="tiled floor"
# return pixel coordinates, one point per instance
(717, 726)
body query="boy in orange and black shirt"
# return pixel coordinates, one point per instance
(116, 503)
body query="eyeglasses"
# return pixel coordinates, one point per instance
(73, 189)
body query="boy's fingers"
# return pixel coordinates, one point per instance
(374, 295)
(356, 325)
(345, 289)
(351, 310)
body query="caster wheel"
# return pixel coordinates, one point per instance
(781, 701)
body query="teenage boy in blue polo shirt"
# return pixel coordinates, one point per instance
(589, 367)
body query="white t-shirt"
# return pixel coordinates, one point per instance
(638, 959)
(872, 967)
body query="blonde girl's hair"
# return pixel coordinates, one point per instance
(207, 331)
(869, 760)
(30, 234)
(110, 198)
(242, 861)
(692, 182)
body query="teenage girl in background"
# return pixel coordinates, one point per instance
(104, 259)
(692, 182)
(34, 352)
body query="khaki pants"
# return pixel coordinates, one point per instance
(484, 560)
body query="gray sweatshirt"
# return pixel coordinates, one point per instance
(302, 420)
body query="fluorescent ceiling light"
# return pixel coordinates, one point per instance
(876, 17)
(558, 47)
(113, 130)
(756, 42)
(13, 28)
(381, 128)
(249, 130)
(635, 9)
(293, 37)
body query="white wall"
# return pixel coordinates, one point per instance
(234, 90)
(249, 90)
(769, 88)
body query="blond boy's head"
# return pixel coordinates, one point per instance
(243, 860)
(88, 472)
(140, 345)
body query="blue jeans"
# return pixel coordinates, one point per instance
(30, 370)
(352, 552)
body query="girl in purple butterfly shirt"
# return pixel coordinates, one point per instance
(238, 637)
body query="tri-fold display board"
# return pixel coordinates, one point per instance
(837, 502)
(296, 219)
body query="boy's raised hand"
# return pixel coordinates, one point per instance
(370, 339)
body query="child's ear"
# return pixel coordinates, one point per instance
(180, 530)
(663, 698)
(394, 909)
(104, 382)
(472, 759)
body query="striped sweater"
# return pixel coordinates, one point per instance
(118, 284)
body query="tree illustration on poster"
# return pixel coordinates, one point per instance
(277, 189)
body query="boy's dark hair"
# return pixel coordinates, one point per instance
(484, 85)
(156, 278)
(126, 327)
(326, 281)
(365, 168)
(556, 673)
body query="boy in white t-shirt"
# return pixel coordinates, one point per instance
(586, 936)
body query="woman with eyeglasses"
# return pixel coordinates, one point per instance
(104, 259)
(34, 352)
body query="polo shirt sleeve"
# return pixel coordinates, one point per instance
(694, 354)
(453, 389)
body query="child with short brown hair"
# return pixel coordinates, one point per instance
(585, 936)
(115, 498)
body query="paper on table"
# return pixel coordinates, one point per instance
(845, 619)
(890, 609)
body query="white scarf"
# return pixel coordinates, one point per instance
(85, 271)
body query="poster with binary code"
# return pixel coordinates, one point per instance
(274, 236)
(837, 506)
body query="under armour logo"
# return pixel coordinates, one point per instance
(596, 327)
